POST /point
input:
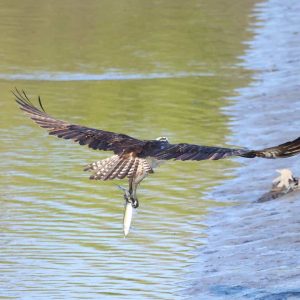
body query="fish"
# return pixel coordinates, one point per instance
(127, 217)
(128, 211)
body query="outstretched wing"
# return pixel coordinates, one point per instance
(94, 138)
(281, 151)
(161, 150)
(165, 151)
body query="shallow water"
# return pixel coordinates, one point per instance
(251, 249)
(144, 68)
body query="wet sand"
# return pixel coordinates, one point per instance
(252, 250)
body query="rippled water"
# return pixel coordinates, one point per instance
(251, 249)
(144, 68)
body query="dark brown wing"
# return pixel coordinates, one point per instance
(94, 138)
(283, 150)
(120, 143)
(165, 151)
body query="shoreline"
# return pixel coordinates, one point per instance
(252, 249)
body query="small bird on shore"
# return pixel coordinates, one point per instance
(134, 158)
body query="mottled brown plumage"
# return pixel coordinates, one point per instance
(136, 158)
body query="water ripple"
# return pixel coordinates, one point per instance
(67, 76)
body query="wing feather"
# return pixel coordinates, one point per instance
(162, 150)
(94, 138)
(281, 151)
(121, 143)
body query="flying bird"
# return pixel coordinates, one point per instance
(134, 158)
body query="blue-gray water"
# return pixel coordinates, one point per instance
(252, 249)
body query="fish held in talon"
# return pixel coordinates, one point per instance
(128, 213)
(128, 210)
(133, 158)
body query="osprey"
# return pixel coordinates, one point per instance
(134, 158)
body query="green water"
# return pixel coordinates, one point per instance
(144, 68)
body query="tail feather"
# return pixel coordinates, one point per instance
(102, 167)
(124, 171)
(100, 163)
(113, 173)
(111, 169)
(108, 168)
(132, 171)
(118, 167)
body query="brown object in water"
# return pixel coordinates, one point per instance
(283, 184)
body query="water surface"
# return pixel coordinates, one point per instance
(148, 69)
(251, 249)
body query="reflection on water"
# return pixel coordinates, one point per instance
(63, 76)
(61, 234)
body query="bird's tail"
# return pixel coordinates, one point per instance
(117, 167)
(283, 150)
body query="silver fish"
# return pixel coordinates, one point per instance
(128, 212)
(127, 218)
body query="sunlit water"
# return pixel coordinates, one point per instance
(145, 68)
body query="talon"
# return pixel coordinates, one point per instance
(134, 202)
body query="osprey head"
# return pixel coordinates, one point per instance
(162, 139)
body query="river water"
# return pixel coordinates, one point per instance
(148, 69)
(251, 250)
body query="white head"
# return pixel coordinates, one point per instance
(162, 139)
